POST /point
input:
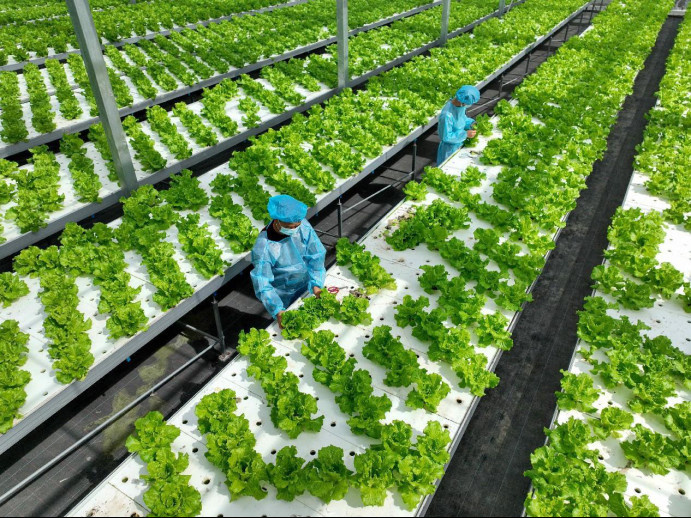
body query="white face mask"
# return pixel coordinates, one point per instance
(289, 231)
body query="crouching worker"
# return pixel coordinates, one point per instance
(454, 125)
(288, 257)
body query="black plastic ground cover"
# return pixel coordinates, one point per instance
(55, 493)
(485, 477)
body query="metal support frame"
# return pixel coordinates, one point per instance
(502, 7)
(225, 354)
(342, 42)
(410, 175)
(90, 44)
(445, 14)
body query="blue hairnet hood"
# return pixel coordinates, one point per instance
(286, 208)
(468, 95)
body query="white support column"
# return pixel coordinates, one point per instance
(342, 42)
(90, 46)
(445, 13)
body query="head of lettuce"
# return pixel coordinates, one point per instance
(288, 257)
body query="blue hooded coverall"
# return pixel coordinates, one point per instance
(453, 127)
(285, 269)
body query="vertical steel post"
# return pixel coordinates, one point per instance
(90, 46)
(445, 13)
(502, 7)
(225, 354)
(342, 42)
(415, 159)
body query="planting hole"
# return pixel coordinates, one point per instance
(637, 490)
(195, 450)
(185, 421)
(459, 401)
(259, 423)
(446, 426)
(312, 452)
(273, 452)
(681, 491)
(233, 375)
(352, 454)
(124, 480)
(301, 376)
(206, 481)
(245, 398)
(333, 424)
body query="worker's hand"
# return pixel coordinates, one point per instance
(279, 319)
(472, 133)
(317, 291)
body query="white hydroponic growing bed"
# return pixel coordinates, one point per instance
(669, 492)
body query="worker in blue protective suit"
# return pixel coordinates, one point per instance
(454, 125)
(288, 257)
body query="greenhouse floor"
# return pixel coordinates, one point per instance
(485, 475)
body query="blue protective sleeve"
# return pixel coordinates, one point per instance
(262, 278)
(468, 123)
(315, 253)
(447, 132)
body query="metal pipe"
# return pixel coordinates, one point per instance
(90, 45)
(502, 7)
(342, 42)
(414, 159)
(189, 327)
(445, 13)
(219, 326)
(36, 474)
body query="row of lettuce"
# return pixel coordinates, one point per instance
(648, 423)
(36, 191)
(114, 20)
(148, 214)
(151, 67)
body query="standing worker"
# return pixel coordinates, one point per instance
(454, 125)
(288, 257)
